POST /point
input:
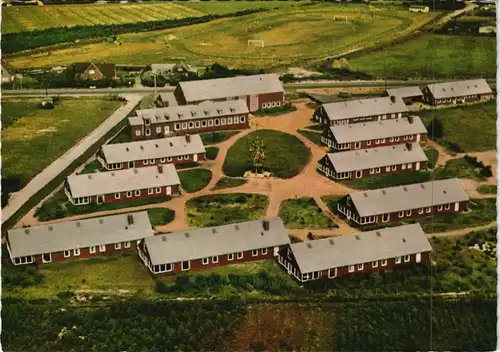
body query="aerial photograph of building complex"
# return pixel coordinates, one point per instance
(248, 175)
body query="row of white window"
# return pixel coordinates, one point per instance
(345, 175)
(163, 268)
(149, 161)
(357, 145)
(81, 200)
(138, 192)
(359, 119)
(273, 104)
(197, 124)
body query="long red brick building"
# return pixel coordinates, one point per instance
(458, 92)
(357, 164)
(208, 116)
(361, 110)
(173, 150)
(202, 248)
(79, 239)
(355, 254)
(258, 91)
(403, 203)
(374, 134)
(123, 185)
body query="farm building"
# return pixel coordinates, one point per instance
(374, 134)
(358, 253)
(418, 8)
(458, 92)
(404, 202)
(408, 94)
(361, 110)
(205, 117)
(123, 185)
(89, 71)
(214, 246)
(78, 239)
(374, 162)
(173, 150)
(258, 91)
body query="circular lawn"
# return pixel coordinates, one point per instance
(286, 155)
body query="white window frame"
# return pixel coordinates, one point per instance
(350, 268)
(184, 125)
(137, 192)
(204, 123)
(394, 167)
(383, 262)
(420, 211)
(440, 207)
(76, 252)
(151, 191)
(360, 267)
(215, 259)
(205, 261)
(230, 257)
(162, 160)
(117, 195)
(388, 217)
(158, 129)
(92, 249)
(407, 258)
(397, 260)
(330, 273)
(229, 120)
(377, 170)
(129, 194)
(409, 165)
(189, 265)
(375, 264)
(67, 254)
(191, 125)
(158, 190)
(239, 255)
(255, 252)
(428, 210)
(102, 248)
(118, 245)
(401, 214)
(137, 132)
(242, 119)
(169, 158)
(46, 261)
(177, 126)
(210, 123)
(263, 251)
(408, 212)
(186, 157)
(368, 142)
(126, 244)
(197, 124)
(447, 206)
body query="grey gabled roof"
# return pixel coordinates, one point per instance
(405, 92)
(401, 198)
(356, 132)
(231, 87)
(109, 182)
(153, 149)
(207, 109)
(364, 107)
(204, 242)
(376, 157)
(78, 234)
(361, 247)
(459, 88)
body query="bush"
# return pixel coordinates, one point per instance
(211, 152)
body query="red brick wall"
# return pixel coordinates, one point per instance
(194, 130)
(366, 172)
(175, 160)
(110, 198)
(269, 98)
(85, 253)
(197, 263)
(372, 144)
(463, 206)
(323, 118)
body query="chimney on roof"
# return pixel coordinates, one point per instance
(357, 237)
(27, 231)
(393, 98)
(309, 245)
(410, 119)
(130, 219)
(265, 224)
(188, 138)
(331, 242)
(408, 146)
(160, 168)
(90, 177)
(379, 234)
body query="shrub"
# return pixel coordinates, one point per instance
(211, 152)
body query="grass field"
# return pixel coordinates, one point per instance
(215, 210)
(487, 189)
(303, 213)
(460, 168)
(39, 136)
(429, 56)
(286, 155)
(291, 35)
(211, 153)
(195, 180)
(314, 137)
(30, 18)
(472, 128)
(228, 182)
(160, 216)
(210, 138)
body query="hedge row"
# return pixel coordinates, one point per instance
(15, 42)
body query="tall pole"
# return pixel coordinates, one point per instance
(154, 74)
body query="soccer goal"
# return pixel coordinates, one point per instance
(340, 18)
(254, 42)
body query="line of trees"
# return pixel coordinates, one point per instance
(15, 42)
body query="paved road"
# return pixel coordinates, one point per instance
(288, 86)
(49, 173)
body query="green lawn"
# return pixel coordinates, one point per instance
(304, 213)
(432, 56)
(286, 155)
(472, 128)
(212, 153)
(215, 210)
(319, 128)
(209, 138)
(93, 166)
(34, 141)
(160, 216)
(487, 189)
(122, 137)
(460, 168)
(194, 180)
(331, 202)
(432, 155)
(12, 112)
(314, 137)
(228, 182)
(58, 206)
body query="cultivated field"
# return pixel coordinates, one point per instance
(33, 141)
(30, 18)
(429, 56)
(291, 35)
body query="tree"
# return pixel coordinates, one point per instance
(257, 153)
(435, 128)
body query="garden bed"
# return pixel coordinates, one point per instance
(229, 182)
(304, 213)
(195, 180)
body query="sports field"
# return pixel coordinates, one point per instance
(429, 56)
(29, 18)
(291, 35)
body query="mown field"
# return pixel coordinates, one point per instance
(291, 35)
(429, 56)
(30, 18)
(33, 138)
